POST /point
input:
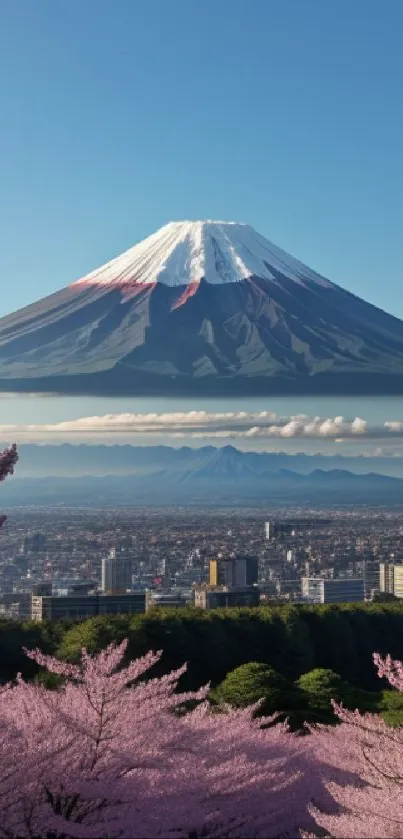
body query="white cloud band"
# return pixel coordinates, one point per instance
(202, 424)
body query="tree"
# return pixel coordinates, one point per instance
(213, 642)
(315, 693)
(319, 687)
(298, 654)
(8, 460)
(364, 744)
(391, 707)
(105, 756)
(250, 683)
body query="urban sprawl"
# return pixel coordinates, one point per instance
(74, 564)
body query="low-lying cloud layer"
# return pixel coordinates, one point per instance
(203, 425)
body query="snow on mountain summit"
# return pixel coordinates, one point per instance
(184, 252)
(202, 307)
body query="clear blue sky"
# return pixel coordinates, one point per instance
(120, 115)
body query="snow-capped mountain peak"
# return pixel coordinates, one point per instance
(184, 252)
(202, 307)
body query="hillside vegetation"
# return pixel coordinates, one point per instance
(290, 639)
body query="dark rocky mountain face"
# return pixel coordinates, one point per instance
(252, 335)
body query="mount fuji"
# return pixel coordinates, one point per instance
(202, 307)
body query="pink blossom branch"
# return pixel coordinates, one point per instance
(8, 460)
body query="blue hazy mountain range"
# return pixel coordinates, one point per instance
(126, 475)
(72, 460)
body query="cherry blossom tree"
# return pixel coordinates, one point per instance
(8, 460)
(108, 755)
(371, 805)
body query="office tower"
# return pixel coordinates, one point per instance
(116, 573)
(234, 572)
(336, 590)
(123, 574)
(270, 529)
(246, 571)
(391, 578)
(107, 577)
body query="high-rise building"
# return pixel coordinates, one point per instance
(391, 578)
(270, 529)
(235, 571)
(246, 571)
(116, 573)
(107, 574)
(336, 590)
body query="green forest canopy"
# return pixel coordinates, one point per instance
(290, 639)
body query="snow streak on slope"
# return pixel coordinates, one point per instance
(183, 253)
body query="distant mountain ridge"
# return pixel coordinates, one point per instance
(97, 459)
(210, 477)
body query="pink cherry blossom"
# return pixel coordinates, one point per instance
(371, 804)
(107, 755)
(8, 460)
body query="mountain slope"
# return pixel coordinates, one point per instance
(203, 307)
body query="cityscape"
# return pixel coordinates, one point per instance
(78, 563)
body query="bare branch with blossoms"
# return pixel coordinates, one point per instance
(8, 460)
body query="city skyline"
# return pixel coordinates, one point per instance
(80, 553)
